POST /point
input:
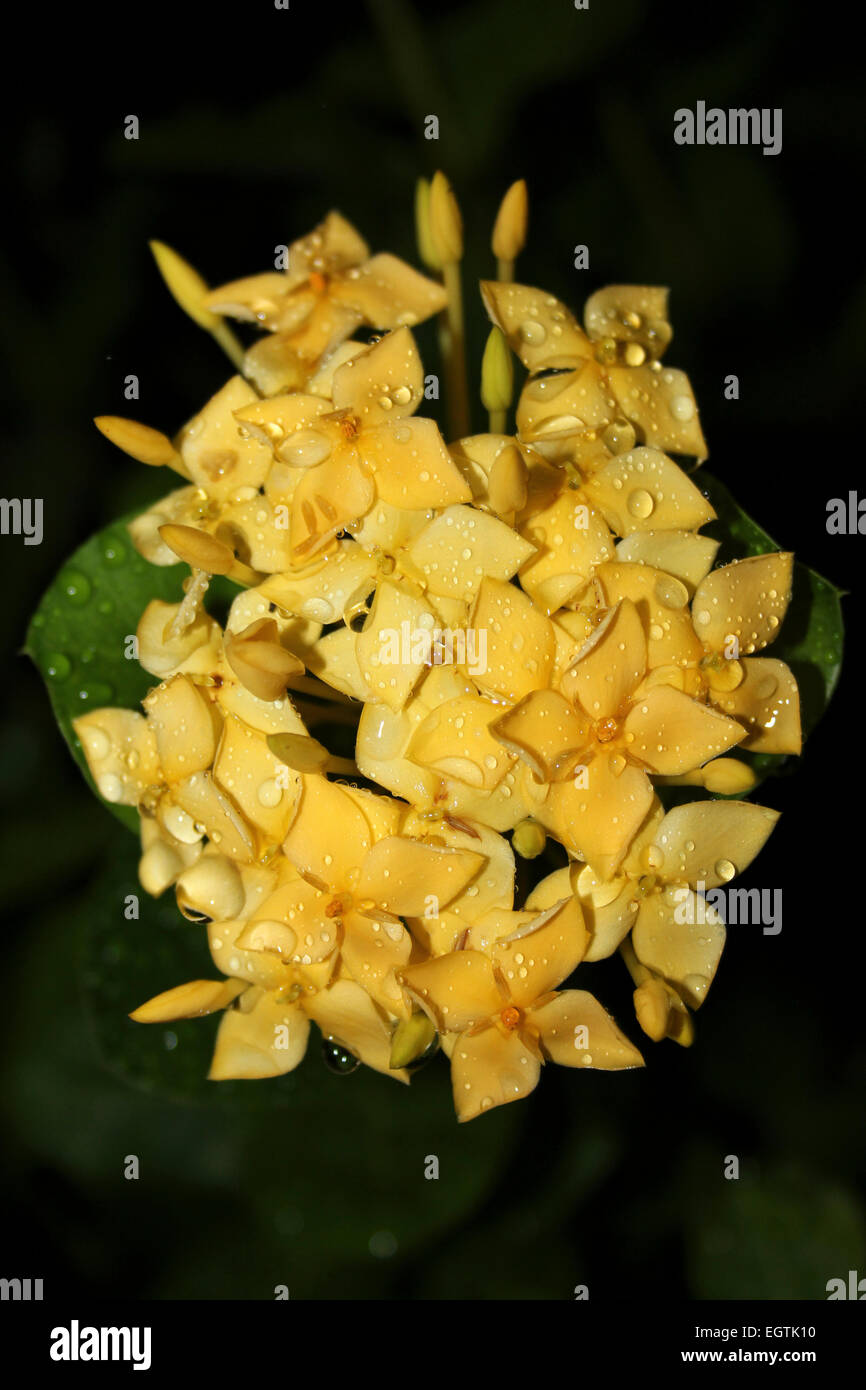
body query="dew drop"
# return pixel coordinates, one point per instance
(57, 666)
(76, 587)
(339, 1059)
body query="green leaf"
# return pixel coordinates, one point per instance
(811, 637)
(78, 635)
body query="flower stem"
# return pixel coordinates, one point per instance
(455, 354)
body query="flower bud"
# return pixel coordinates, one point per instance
(446, 224)
(258, 660)
(529, 839)
(509, 230)
(411, 1038)
(142, 443)
(497, 372)
(185, 284)
(200, 550)
(423, 232)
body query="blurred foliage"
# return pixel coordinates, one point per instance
(616, 1182)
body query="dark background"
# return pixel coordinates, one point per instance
(254, 122)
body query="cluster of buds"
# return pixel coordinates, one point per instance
(525, 633)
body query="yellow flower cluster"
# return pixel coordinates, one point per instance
(524, 631)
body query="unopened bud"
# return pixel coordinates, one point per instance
(411, 1039)
(446, 224)
(423, 233)
(509, 230)
(299, 751)
(200, 550)
(529, 839)
(497, 372)
(185, 284)
(261, 664)
(142, 443)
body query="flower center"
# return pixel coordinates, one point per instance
(510, 1017)
(318, 281)
(350, 426)
(606, 730)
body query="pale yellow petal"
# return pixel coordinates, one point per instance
(268, 1041)
(399, 874)
(489, 1069)
(710, 841)
(458, 991)
(670, 733)
(543, 952)
(461, 545)
(519, 641)
(681, 937)
(767, 702)
(643, 489)
(192, 1000)
(747, 600)
(576, 1031)
(662, 405)
(611, 663)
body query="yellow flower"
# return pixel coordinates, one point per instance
(331, 285)
(338, 456)
(738, 609)
(370, 876)
(658, 897)
(612, 371)
(501, 1016)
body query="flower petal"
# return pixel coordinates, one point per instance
(263, 787)
(461, 545)
(217, 457)
(192, 1000)
(685, 555)
(386, 381)
(747, 599)
(388, 292)
(184, 726)
(458, 991)
(544, 730)
(270, 1040)
(597, 821)
(121, 753)
(543, 332)
(543, 952)
(572, 538)
(662, 405)
(411, 465)
(710, 841)
(610, 664)
(576, 1031)
(399, 874)
(520, 641)
(644, 488)
(767, 701)
(456, 740)
(329, 836)
(395, 644)
(671, 733)
(347, 1015)
(489, 1069)
(630, 314)
(681, 937)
